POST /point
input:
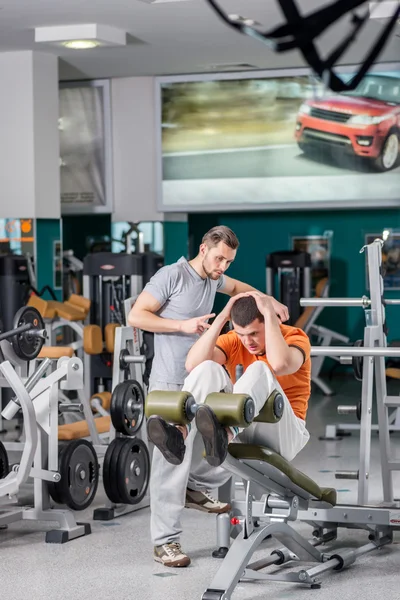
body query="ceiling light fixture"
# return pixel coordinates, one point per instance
(81, 36)
(81, 44)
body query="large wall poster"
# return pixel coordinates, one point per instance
(279, 142)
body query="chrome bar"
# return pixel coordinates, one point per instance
(363, 302)
(353, 351)
(134, 359)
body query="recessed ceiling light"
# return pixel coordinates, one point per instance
(81, 44)
(81, 36)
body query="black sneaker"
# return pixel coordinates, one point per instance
(214, 435)
(167, 438)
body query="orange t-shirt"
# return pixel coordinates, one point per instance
(296, 386)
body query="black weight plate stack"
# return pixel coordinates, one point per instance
(127, 407)
(133, 471)
(26, 346)
(54, 488)
(4, 466)
(110, 470)
(357, 361)
(79, 470)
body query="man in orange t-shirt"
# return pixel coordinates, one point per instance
(273, 356)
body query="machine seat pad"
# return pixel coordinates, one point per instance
(393, 372)
(80, 429)
(253, 452)
(55, 352)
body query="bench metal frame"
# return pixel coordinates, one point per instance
(260, 515)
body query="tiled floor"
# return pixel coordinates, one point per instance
(115, 561)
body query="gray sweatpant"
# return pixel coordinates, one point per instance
(168, 483)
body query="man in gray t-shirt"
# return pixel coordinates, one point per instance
(182, 294)
(176, 305)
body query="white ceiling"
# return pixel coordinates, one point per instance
(166, 38)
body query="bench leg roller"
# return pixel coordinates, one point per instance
(174, 407)
(272, 410)
(232, 409)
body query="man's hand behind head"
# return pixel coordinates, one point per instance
(267, 305)
(226, 312)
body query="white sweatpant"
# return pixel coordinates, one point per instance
(168, 482)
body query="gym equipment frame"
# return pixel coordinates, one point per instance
(374, 348)
(128, 362)
(38, 400)
(277, 493)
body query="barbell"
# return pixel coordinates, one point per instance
(28, 334)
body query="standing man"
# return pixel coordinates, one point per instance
(176, 305)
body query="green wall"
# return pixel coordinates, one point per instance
(175, 241)
(261, 233)
(78, 228)
(48, 231)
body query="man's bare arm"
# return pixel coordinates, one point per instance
(205, 349)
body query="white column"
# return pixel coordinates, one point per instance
(136, 176)
(29, 141)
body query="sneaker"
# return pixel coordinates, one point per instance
(171, 555)
(205, 503)
(167, 438)
(214, 435)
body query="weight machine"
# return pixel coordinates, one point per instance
(108, 280)
(289, 279)
(75, 464)
(38, 400)
(126, 466)
(363, 354)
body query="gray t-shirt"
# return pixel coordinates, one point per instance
(183, 294)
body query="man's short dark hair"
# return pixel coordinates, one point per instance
(245, 311)
(220, 234)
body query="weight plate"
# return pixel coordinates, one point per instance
(123, 365)
(357, 361)
(27, 346)
(359, 409)
(53, 488)
(127, 407)
(110, 470)
(79, 470)
(133, 471)
(4, 466)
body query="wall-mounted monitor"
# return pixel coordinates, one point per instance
(278, 140)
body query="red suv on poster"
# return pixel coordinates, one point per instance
(364, 122)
